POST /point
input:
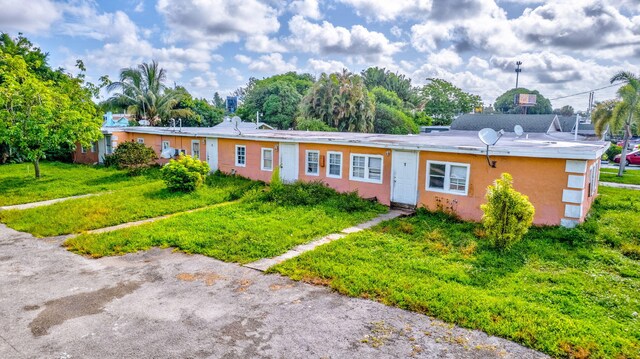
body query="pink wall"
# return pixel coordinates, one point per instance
(227, 158)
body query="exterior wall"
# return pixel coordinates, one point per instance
(381, 191)
(542, 179)
(178, 142)
(227, 158)
(577, 196)
(89, 158)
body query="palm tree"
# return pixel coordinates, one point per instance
(143, 93)
(623, 113)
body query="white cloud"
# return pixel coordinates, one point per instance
(445, 58)
(31, 16)
(211, 23)
(262, 43)
(326, 38)
(389, 10)
(306, 8)
(273, 64)
(319, 66)
(206, 80)
(139, 7)
(476, 63)
(396, 31)
(243, 59)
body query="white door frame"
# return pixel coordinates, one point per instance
(212, 153)
(397, 170)
(289, 147)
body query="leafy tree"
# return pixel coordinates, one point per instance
(218, 101)
(276, 98)
(566, 110)
(41, 110)
(623, 114)
(198, 112)
(505, 102)
(142, 92)
(394, 82)
(312, 124)
(508, 214)
(341, 101)
(390, 116)
(133, 156)
(443, 101)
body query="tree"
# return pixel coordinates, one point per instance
(623, 114)
(341, 101)
(218, 101)
(195, 112)
(143, 93)
(443, 101)
(133, 156)
(41, 111)
(390, 115)
(505, 102)
(566, 110)
(312, 124)
(394, 82)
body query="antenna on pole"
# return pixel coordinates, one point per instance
(518, 71)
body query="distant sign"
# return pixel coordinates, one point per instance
(232, 104)
(524, 99)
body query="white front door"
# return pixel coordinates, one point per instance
(212, 153)
(289, 162)
(404, 177)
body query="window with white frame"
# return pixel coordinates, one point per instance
(593, 180)
(366, 168)
(241, 155)
(83, 149)
(334, 169)
(195, 149)
(447, 177)
(267, 159)
(94, 147)
(313, 163)
(165, 145)
(140, 140)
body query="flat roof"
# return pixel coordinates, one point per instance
(554, 145)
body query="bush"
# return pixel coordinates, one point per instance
(613, 151)
(185, 174)
(508, 214)
(132, 156)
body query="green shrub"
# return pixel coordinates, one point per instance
(508, 214)
(132, 156)
(185, 174)
(613, 151)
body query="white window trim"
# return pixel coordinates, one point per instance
(366, 168)
(245, 156)
(168, 145)
(447, 178)
(198, 142)
(83, 149)
(262, 151)
(140, 140)
(94, 147)
(328, 163)
(306, 163)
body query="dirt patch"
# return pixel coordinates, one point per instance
(209, 278)
(275, 287)
(244, 285)
(59, 310)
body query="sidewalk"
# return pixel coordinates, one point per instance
(621, 185)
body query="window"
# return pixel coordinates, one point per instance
(241, 156)
(195, 149)
(313, 163)
(366, 168)
(165, 145)
(447, 177)
(334, 169)
(267, 159)
(83, 149)
(140, 140)
(593, 179)
(108, 144)
(94, 147)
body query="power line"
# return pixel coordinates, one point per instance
(585, 92)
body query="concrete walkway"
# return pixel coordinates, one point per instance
(621, 185)
(264, 264)
(46, 203)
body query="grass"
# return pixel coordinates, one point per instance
(18, 184)
(128, 204)
(611, 175)
(258, 227)
(568, 293)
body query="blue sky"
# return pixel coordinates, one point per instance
(566, 46)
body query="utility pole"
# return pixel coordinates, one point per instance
(518, 71)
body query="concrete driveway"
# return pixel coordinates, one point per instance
(159, 304)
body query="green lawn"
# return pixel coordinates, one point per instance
(128, 204)
(18, 184)
(568, 293)
(241, 232)
(611, 175)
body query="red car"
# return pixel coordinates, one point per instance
(633, 158)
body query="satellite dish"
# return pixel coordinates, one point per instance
(518, 130)
(168, 153)
(488, 136)
(236, 119)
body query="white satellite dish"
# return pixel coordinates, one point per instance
(518, 130)
(168, 152)
(236, 119)
(488, 136)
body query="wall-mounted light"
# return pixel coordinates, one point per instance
(276, 147)
(388, 152)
